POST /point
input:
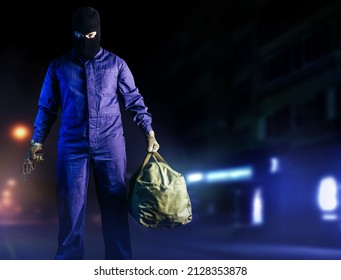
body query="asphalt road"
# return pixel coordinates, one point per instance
(196, 241)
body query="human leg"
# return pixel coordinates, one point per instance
(72, 185)
(111, 194)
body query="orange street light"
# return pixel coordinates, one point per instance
(20, 132)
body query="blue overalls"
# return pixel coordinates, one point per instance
(90, 139)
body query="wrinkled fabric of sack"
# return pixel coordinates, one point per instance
(158, 195)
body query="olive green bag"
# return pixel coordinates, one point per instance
(158, 196)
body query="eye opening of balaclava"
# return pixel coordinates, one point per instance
(84, 21)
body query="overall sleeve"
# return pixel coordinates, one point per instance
(48, 106)
(133, 101)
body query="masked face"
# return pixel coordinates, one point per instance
(86, 32)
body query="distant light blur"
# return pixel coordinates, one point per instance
(327, 194)
(195, 177)
(224, 175)
(274, 165)
(328, 198)
(9, 205)
(233, 174)
(257, 207)
(20, 132)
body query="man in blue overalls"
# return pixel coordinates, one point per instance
(86, 85)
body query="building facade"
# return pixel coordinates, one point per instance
(254, 82)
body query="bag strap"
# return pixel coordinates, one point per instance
(146, 159)
(158, 157)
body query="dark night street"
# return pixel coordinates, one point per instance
(190, 242)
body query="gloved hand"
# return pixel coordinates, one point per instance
(152, 144)
(35, 153)
(33, 156)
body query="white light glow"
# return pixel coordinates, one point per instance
(327, 194)
(257, 207)
(195, 177)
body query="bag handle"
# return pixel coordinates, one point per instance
(156, 156)
(146, 159)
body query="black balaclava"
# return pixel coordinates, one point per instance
(84, 21)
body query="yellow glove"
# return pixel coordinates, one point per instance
(152, 144)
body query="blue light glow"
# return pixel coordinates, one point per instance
(222, 175)
(274, 165)
(233, 174)
(330, 217)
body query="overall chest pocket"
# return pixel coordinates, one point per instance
(108, 82)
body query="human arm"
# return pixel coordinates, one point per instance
(48, 105)
(134, 103)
